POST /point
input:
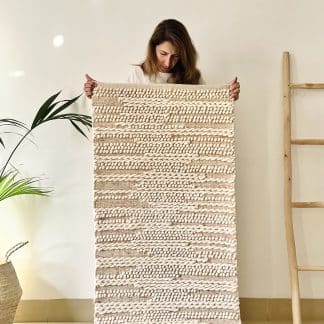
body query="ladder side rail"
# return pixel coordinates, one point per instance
(292, 258)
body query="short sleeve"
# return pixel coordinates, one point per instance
(136, 75)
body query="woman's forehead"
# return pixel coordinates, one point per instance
(167, 47)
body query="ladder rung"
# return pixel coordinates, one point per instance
(309, 204)
(310, 268)
(309, 141)
(306, 85)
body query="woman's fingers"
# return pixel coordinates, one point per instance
(89, 85)
(235, 94)
(233, 81)
(234, 85)
(88, 93)
(234, 89)
(88, 77)
(90, 80)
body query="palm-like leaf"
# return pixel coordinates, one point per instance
(47, 113)
(11, 122)
(10, 187)
(49, 110)
(44, 110)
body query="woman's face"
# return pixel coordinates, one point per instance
(167, 56)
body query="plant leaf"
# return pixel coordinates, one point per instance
(64, 106)
(46, 113)
(76, 118)
(44, 110)
(12, 122)
(83, 119)
(2, 143)
(10, 187)
(78, 128)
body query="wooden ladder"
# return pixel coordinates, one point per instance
(294, 268)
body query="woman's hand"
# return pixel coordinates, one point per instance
(89, 85)
(235, 89)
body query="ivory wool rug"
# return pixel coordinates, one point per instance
(166, 248)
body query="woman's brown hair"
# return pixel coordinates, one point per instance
(175, 32)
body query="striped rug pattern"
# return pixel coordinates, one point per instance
(164, 165)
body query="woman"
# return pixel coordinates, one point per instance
(171, 58)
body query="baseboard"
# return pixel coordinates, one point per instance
(81, 310)
(279, 309)
(55, 310)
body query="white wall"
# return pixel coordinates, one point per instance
(234, 38)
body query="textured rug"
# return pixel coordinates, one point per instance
(164, 164)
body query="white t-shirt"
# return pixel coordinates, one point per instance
(137, 75)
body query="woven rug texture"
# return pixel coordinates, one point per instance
(164, 175)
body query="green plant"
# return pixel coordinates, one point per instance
(10, 184)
